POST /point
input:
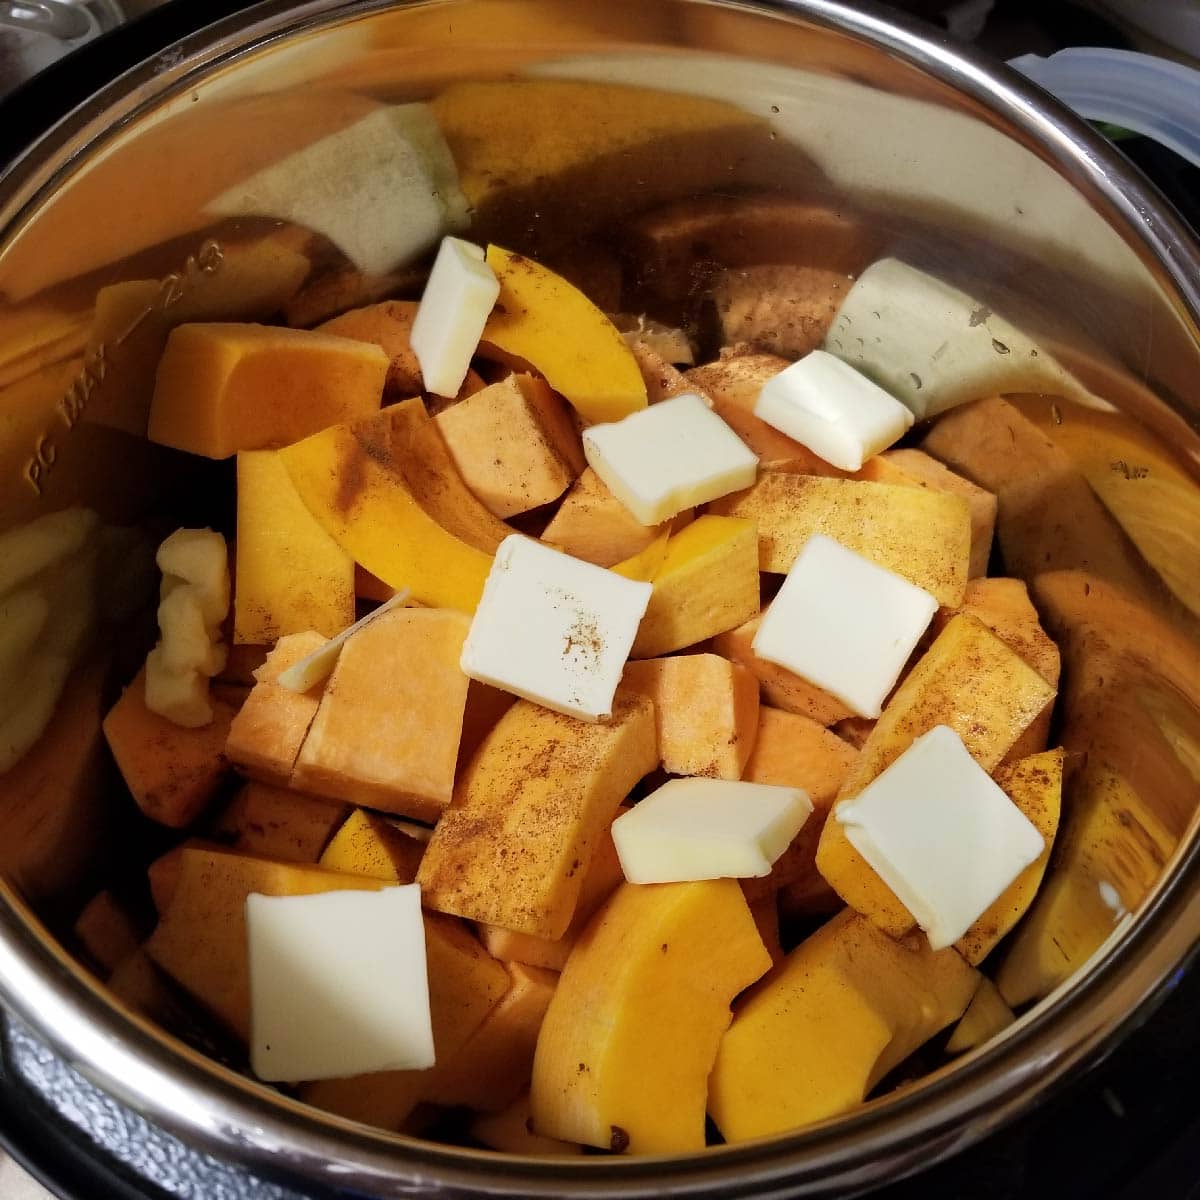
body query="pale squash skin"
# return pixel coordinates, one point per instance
(629, 1040)
(844, 1008)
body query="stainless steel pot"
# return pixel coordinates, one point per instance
(967, 169)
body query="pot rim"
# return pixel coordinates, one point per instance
(238, 1119)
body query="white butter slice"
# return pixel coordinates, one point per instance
(938, 830)
(338, 984)
(304, 675)
(454, 308)
(933, 346)
(554, 629)
(834, 410)
(382, 190)
(708, 829)
(844, 623)
(668, 457)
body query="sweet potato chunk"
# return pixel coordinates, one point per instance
(708, 583)
(847, 1006)
(528, 812)
(922, 535)
(201, 937)
(387, 325)
(600, 880)
(171, 772)
(370, 845)
(222, 388)
(514, 443)
(917, 468)
(968, 680)
(465, 984)
(651, 981)
(291, 576)
(662, 379)
(706, 711)
(784, 310)
(266, 735)
(278, 823)
(733, 383)
(793, 751)
(780, 687)
(592, 524)
(493, 1066)
(386, 733)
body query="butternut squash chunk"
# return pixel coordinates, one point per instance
(171, 772)
(349, 478)
(370, 845)
(545, 321)
(917, 469)
(465, 984)
(222, 388)
(968, 680)
(279, 823)
(778, 308)
(266, 735)
(780, 687)
(706, 711)
(528, 812)
(291, 576)
(1034, 785)
(514, 443)
(493, 1066)
(106, 931)
(511, 1132)
(986, 1016)
(628, 1042)
(708, 583)
(201, 937)
(386, 734)
(922, 535)
(846, 1006)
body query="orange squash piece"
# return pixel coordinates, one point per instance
(387, 325)
(106, 931)
(387, 731)
(201, 937)
(222, 388)
(269, 729)
(370, 845)
(492, 1067)
(278, 823)
(705, 709)
(592, 524)
(465, 984)
(529, 811)
(171, 772)
(629, 1040)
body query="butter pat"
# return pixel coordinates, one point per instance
(554, 629)
(454, 308)
(338, 984)
(832, 409)
(668, 457)
(941, 834)
(844, 623)
(708, 829)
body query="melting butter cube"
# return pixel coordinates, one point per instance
(844, 623)
(454, 308)
(941, 834)
(338, 984)
(834, 410)
(693, 829)
(668, 457)
(554, 629)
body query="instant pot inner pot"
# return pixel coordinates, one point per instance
(697, 165)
